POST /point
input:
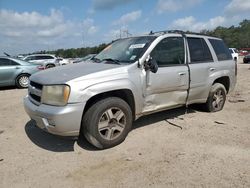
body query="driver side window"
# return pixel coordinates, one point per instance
(170, 51)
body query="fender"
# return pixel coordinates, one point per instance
(109, 86)
(217, 75)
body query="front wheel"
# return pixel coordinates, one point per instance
(107, 122)
(216, 98)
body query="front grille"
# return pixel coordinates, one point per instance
(36, 85)
(35, 92)
(35, 97)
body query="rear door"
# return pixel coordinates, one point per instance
(201, 67)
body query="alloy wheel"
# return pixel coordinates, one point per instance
(112, 123)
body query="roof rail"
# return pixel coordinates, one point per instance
(166, 31)
(174, 31)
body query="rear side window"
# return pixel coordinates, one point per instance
(30, 58)
(38, 57)
(199, 51)
(47, 57)
(220, 49)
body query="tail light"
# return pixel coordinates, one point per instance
(40, 67)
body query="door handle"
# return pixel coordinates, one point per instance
(212, 69)
(17, 67)
(182, 73)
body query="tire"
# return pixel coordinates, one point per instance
(22, 81)
(50, 66)
(216, 98)
(107, 122)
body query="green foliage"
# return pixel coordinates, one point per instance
(237, 37)
(75, 52)
(79, 52)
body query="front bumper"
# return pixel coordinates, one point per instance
(63, 121)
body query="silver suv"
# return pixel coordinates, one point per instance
(47, 60)
(130, 78)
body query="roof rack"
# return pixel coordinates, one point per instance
(166, 31)
(174, 31)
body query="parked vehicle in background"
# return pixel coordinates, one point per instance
(234, 53)
(20, 56)
(244, 51)
(130, 78)
(63, 61)
(16, 72)
(47, 60)
(246, 59)
(85, 58)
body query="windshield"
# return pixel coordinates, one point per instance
(87, 57)
(125, 50)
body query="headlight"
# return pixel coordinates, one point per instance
(57, 95)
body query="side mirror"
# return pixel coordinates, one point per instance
(151, 64)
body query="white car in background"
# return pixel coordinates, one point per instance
(46, 60)
(234, 53)
(63, 61)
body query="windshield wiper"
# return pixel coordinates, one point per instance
(95, 59)
(114, 61)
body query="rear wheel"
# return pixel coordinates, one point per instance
(216, 98)
(49, 66)
(107, 122)
(246, 61)
(22, 81)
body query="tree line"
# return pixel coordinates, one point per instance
(237, 37)
(77, 52)
(234, 36)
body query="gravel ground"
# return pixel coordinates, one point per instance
(168, 149)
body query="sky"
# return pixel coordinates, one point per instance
(32, 25)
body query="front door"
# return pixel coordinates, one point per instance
(168, 87)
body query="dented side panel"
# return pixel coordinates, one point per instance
(165, 89)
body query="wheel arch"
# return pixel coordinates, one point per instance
(124, 94)
(49, 64)
(22, 73)
(225, 80)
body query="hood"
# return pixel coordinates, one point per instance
(63, 74)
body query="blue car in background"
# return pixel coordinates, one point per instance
(16, 72)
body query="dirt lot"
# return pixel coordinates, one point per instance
(203, 150)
